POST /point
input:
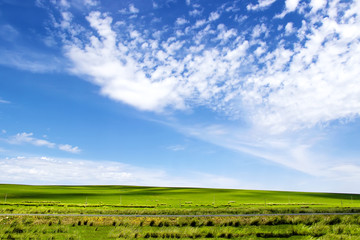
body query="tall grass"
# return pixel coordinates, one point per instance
(318, 227)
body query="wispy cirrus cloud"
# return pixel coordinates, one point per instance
(21, 138)
(26, 59)
(176, 148)
(4, 101)
(8, 32)
(294, 151)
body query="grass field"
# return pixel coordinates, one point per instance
(155, 200)
(159, 200)
(270, 227)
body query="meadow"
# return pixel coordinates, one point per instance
(162, 200)
(173, 201)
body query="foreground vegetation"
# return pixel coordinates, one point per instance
(293, 227)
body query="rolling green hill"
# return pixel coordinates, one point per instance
(169, 197)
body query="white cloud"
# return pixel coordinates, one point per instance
(309, 83)
(223, 34)
(188, 2)
(289, 28)
(291, 5)
(91, 3)
(64, 3)
(261, 5)
(200, 23)
(121, 78)
(69, 148)
(258, 30)
(45, 170)
(66, 21)
(176, 148)
(195, 12)
(317, 4)
(155, 5)
(133, 9)
(307, 91)
(24, 137)
(214, 16)
(181, 21)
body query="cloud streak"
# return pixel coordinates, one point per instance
(4, 101)
(21, 138)
(298, 152)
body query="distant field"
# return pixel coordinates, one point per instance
(161, 200)
(127, 195)
(173, 201)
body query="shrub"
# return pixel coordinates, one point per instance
(154, 235)
(333, 220)
(17, 230)
(255, 222)
(222, 235)
(209, 223)
(209, 235)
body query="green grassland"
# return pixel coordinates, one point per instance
(162, 200)
(173, 201)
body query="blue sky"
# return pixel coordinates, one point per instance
(259, 94)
